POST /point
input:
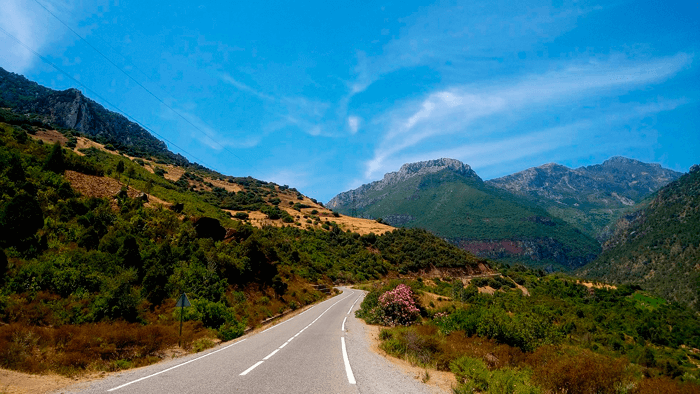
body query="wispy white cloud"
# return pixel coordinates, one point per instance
(38, 30)
(306, 114)
(296, 178)
(201, 131)
(353, 123)
(468, 30)
(226, 77)
(456, 111)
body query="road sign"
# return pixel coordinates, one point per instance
(182, 301)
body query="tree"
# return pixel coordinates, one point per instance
(158, 270)
(120, 168)
(54, 162)
(3, 266)
(129, 252)
(14, 169)
(21, 218)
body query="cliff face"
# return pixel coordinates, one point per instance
(72, 110)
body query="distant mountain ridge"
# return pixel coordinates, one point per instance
(590, 197)
(449, 199)
(658, 246)
(406, 172)
(70, 109)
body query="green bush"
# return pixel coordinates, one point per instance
(472, 374)
(231, 330)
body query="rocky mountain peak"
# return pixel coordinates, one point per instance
(430, 166)
(406, 171)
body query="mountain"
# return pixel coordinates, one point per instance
(449, 199)
(658, 247)
(590, 198)
(70, 109)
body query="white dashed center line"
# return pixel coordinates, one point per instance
(295, 335)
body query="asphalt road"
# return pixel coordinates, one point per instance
(322, 350)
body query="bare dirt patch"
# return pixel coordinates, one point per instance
(50, 136)
(104, 187)
(360, 226)
(229, 187)
(597, 285)
(84, 143)
(173, 172)
(440, 381)
(12, 382)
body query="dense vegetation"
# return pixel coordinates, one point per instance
(563, 336)
(90, 283)
(660, 249)
(464, 209)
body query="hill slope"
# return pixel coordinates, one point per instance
(449, 199)
(96, 246)
(592, 197)
(70, 109)
(658, 247)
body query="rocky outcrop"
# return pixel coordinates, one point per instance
(535, 250)
(406, 172)
(70, 109)
(618, 182)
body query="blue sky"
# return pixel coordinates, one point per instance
(325, 96)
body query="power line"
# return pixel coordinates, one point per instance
(139, 83)
(97, 95)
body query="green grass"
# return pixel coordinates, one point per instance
(644, 300)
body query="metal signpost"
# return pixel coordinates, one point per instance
(182, 302)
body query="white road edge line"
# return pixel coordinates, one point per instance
(343, 328)
(177, 366)
(251, 368)
(348, 370)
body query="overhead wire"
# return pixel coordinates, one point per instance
(37, 54)
(140, 84)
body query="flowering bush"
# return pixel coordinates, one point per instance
(398, 306)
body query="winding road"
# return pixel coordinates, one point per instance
(321, 350)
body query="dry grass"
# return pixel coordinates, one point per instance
(105, 187)
(75, 349)
(229, 187)
(597, 285)
(50, 136)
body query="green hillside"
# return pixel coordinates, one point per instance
(89, 283)
(658, 247)
(464, 210)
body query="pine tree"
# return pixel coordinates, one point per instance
(54, 162)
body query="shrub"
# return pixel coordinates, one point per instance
(231, 330)
(473, 374)
(398, 306)
(241, 216)
(583, 372)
